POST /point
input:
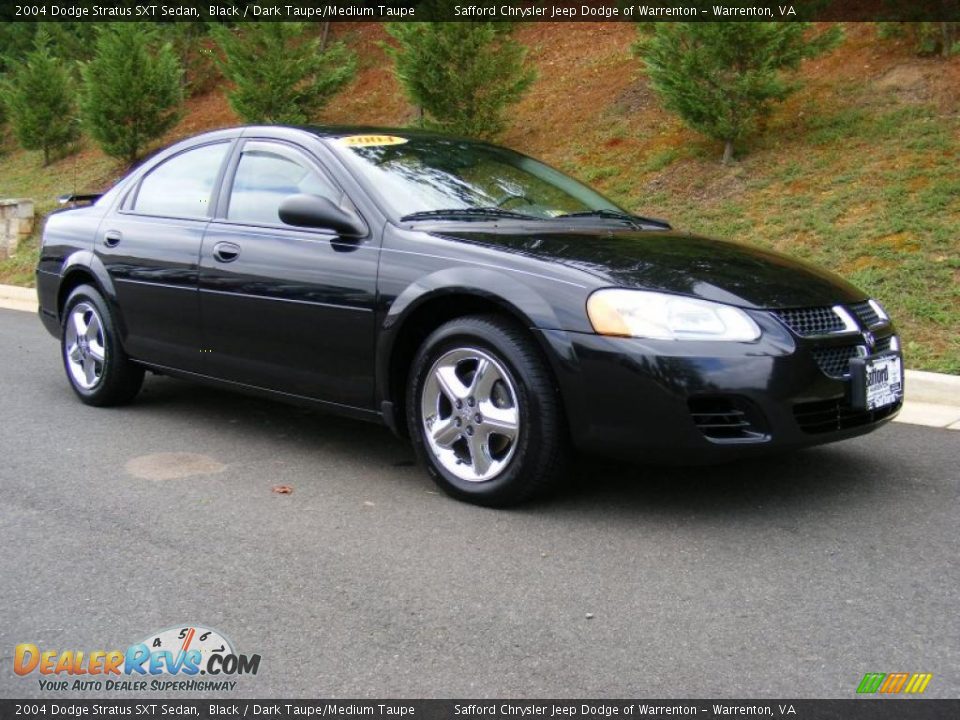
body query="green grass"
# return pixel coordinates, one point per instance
(596, 174)
(22, 174)
(18, 269)
(662, 159)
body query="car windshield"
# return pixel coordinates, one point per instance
(426, 177)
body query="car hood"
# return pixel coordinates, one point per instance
(675, 262)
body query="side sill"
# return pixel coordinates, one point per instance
(290, 398)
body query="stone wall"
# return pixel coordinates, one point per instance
(16, 223)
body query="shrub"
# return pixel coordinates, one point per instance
(279, 75)
(131, 89)
(196, 50)
(927, 38)
(722, 78)
(463, 75)
(39, 101)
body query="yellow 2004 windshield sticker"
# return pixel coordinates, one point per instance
(370, 140)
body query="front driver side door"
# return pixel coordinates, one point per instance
(285, 308)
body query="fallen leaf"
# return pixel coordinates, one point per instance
(282, 489)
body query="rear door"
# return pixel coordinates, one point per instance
(151, 250)
(286, 308)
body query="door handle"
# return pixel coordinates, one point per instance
(226, 252)
(112, 238)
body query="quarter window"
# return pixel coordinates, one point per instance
(264, 179)
(182, 186)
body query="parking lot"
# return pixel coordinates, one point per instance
(786, 577)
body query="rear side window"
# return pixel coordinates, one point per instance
(264, 179)
(183, 185)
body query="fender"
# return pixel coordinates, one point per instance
(87, 261)
(473, 280)
(463, 280)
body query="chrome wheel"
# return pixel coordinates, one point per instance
(84, 347)
(471, 418)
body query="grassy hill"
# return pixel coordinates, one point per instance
(858, 172)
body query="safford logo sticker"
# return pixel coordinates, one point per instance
(183, 658)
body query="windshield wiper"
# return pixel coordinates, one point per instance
(474, 212)
(618, 215)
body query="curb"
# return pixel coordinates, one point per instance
(19, 294)
(18, 298)
(933, 399)
(934, 388)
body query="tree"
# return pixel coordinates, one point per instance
(279, 75)
(68, 40)
(463, 75)
(722, 78)
(39, 100)
(927, 38)
(195, 50)
(16, 40)
(131, 89)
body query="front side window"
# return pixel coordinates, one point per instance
(264, 179)
(183, 185)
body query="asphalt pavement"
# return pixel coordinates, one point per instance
(784, 577)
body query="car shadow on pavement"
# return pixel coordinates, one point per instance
(804, 479)
(799, 480)
(274, 420)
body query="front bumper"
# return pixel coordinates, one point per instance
(701, 402)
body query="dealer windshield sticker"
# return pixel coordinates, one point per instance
(184, 658)
(370, 140)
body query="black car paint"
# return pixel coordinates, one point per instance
(676, 262)
(308, 316)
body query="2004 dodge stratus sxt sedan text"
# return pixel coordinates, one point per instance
(497, 312)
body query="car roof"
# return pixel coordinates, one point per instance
(332, 132)
(335, 131)
(321, 132)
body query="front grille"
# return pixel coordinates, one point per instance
(835, 361)
(883, 344)
(811, 321)
(823, 416)
(866, 314)
(807, 322)
(727, 418)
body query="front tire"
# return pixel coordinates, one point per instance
(99, 370)
(484, 414)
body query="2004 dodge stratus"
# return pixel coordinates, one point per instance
(494, 310)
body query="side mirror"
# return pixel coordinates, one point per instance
(314, 211)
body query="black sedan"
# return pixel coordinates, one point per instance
(494, 310)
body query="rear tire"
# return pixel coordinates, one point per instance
(99, 370)
(484, 414)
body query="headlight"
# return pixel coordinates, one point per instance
(636, 313)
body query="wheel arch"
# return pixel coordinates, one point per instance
(435, 300)
(85, 268)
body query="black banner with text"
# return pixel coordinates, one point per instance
(483, 10)
(147, 709)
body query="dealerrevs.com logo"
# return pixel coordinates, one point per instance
(170, 660)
